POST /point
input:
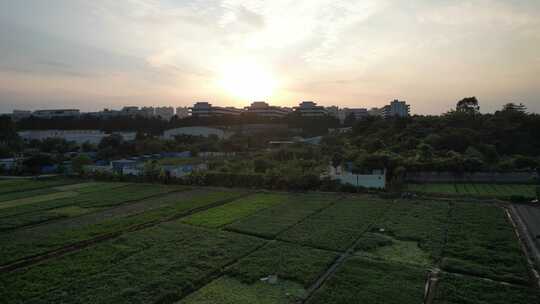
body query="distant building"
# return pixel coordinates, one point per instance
(357, 113)
(182, 112)
(20, 114)
(336, 112)
(147, 112)
(130, 111)
(396, 108)
(121, 165)
(310, 109)
(261, 108)
(58, 113)
(77, 136)
(165, 113)
(205, 109)
(7, 164)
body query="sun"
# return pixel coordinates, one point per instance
(247, 80)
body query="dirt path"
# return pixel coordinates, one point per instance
(31, 260)
(524, 220)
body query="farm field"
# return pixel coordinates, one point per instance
(503, 191)
(144, 243)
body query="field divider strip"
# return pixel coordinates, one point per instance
(526, 244)
(432, 282)
(34, 259)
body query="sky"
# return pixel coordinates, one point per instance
(99, 54)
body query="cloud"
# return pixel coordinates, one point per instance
(333, 51)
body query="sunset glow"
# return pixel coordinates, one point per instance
(247, 80)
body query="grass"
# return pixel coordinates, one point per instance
(421, 222)
(40, 239)
(291, 262)
(140, 267)
(481, 242)
(454, 289)
(361, 280)
(337, 227)
(386, 248)
(502, 191)
(223, 215)
(270, 222)
(228, 290)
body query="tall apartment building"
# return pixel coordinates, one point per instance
(263, 109)
(310, 109)
(357, 113)
(396, 108)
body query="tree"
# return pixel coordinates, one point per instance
(425, 152)
(468, 105)
(261, 165)
(34, 163)
(337, 159)
(79, 162)
(113, 141)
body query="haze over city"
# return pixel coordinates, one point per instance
(96, 54)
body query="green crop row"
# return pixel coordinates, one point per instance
(270, 222)
(15, 185)
(159, 264)
(6, 197)
(28, 214)
(43, 238)
(339, 226)
(453, 289)
(477, 190)
(361, 280)
(482, 242)
(223, 215)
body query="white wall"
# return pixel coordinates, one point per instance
(195, 131)
(368, 181)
